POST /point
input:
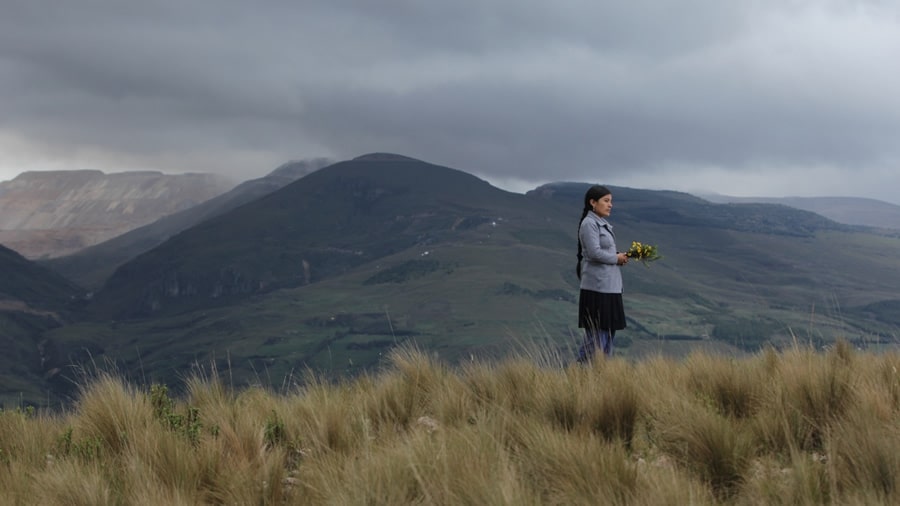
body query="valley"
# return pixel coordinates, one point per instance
(328, 273)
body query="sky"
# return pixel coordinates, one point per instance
(744, 97)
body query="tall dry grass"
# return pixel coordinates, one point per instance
(793, 427)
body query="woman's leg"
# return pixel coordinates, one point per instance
(589, 345)
(606, 341)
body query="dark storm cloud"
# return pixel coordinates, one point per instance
(697, 94)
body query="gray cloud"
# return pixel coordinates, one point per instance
(770, 97)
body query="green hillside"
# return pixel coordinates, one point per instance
(33, 300)
(470, 299)
(25, 281)
(318, 227)
(398, 250)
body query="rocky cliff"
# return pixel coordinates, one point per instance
(54, 213)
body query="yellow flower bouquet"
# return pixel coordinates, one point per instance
(645, 253)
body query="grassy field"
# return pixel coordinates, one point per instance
(789, 427)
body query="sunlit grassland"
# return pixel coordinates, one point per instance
(790, 427)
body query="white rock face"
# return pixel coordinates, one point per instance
(55, 213)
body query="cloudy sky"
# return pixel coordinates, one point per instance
(752, 97)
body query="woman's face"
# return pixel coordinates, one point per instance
(603, 206)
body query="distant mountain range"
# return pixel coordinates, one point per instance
(331, 270)
(53, 213)
(90, 267)
(849, 210)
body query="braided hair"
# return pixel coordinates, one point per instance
(595, 192)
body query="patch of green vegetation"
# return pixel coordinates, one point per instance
(186, 424)
(403, 272)
(86, 449)
(274, 431)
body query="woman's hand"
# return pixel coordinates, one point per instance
(621, 259)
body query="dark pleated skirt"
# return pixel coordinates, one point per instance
(603, 311)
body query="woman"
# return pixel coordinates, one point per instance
(600, 309)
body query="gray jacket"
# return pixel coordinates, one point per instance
(599, 271)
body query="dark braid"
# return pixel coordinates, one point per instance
(580, 256)
(595, 192)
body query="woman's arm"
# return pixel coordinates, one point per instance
(591, 246)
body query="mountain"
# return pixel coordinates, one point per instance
(32, 300)
(677, 208)
(334, 269)
(26, 284)
(320, 226)
(848, 210)
(53, 213)
(90, 267)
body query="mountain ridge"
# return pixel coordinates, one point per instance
(848, 210)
